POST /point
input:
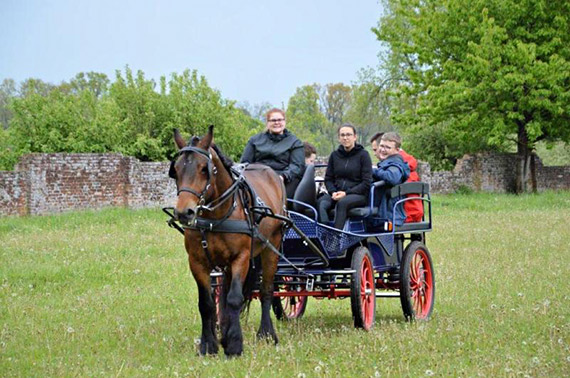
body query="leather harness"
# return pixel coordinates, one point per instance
(239, 190)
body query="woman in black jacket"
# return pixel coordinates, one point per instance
(279, 149)
(348, 178)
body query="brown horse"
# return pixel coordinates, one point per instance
(223, 229)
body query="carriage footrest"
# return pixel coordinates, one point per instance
(340, 271)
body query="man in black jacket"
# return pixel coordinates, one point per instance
(347, 179)
(279, 149)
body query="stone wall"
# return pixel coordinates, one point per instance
(53, 183)
(492, 173)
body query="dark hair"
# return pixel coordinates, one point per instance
(309, 149)
(274, 110)
(347, 125)
(376, 136)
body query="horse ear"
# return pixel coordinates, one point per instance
(178, 139)
(172, 170)
(208, 138)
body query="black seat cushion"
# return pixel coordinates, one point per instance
(306, 190)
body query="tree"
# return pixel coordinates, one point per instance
(370, 106)
(130, 116)
(491, 75)
(335, 101)
(304, 117)
(7, 92)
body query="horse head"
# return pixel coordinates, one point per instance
(194, 171)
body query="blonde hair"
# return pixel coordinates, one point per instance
(392, 137)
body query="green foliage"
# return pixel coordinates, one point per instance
(553, 154)
(304, 117)
(487, 75)
(129, 115)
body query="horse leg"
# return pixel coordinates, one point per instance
(232, 338)
(269, 263)
(207, 307)
(227, 280)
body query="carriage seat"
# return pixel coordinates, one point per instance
(306, 192)
(371, 211)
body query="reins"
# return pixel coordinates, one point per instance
(254, 212)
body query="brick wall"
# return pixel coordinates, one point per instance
(14, 188)
(53, 183)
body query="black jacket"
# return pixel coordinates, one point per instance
(350, 172)
(282, 152)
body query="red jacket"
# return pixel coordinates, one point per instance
(414, 208)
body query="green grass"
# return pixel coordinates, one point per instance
(109, 294)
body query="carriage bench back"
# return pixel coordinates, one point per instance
(421, 189)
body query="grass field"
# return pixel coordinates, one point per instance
(109, 294)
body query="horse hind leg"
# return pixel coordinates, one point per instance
(269, 262)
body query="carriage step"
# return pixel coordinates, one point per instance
(384, 294)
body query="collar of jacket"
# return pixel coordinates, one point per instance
(278, 137)
(357, 147)
(397, 158)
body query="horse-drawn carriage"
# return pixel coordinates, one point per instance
(369, 258)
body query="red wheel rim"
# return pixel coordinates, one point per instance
(292, 306)
(421, 284)
(367, 292)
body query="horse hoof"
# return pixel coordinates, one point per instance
(233, 349)
(231, 352)
(208, 348)
(268, 336)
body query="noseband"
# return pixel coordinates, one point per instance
(211, 171)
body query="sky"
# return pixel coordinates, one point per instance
(251, 51)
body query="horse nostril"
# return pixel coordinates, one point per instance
(183, 216)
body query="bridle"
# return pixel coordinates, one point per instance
(212, 171)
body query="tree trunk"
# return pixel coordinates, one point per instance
(526, 169)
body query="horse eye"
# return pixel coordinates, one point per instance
(204, 170)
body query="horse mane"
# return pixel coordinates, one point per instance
(226, 161)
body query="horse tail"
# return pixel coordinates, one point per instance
(251, 280)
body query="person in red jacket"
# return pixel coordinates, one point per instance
(414, 208)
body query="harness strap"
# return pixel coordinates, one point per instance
(205, 247)
(231, 226)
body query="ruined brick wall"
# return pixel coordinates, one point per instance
(14, 189)
(62, 182)
(53, 183)
(554, 178)
(149, 184)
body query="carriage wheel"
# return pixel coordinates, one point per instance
(417, 282)
(289, 308)
(363, 290)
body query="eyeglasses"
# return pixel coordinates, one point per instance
(275, 120)
(345, 135)
(385, 147)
